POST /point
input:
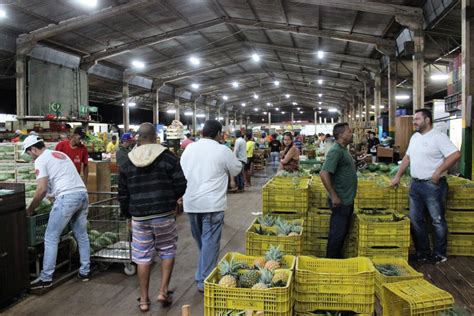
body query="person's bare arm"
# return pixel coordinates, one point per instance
(445, 166)
(326, 179)
(40, 193)
(401, 170)
(85, 172)
(289, 155)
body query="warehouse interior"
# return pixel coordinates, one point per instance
(250, 64)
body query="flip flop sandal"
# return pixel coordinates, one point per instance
(167, 300)
(143, 306)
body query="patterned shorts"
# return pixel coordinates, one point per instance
(153, 236)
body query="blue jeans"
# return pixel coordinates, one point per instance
(67, 208)
(339, 225)
(239, 179)
(275, 157)
(206, 229)
(432, 197)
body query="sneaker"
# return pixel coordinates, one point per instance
(39, 284)
(437, 259)
(84, 277)
(423, 259)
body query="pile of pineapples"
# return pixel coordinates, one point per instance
(276, 226)
(265, 272)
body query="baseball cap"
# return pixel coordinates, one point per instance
(126, 136)
(30, 141)
(80, 131)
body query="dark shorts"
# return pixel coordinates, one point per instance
(248, 164)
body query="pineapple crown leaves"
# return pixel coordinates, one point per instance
(296, 228)
(266, 276)
(266, 220)
(229, 268)
(274, 253)
(284, 227)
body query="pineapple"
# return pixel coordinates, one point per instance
(280, 278)
(265, 280)
(228, 272)
(295, 230)
(266, 220)
(284, 228)
(249, 279)
(273, 257)
(259, 262)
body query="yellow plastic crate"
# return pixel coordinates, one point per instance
(414, 297)
(461, 244)
(290, 197)
(257, 245)
(317, 223)
(460, 193)
(372, 196)
(373, 232)
(240, 312)
(383, 252)
(460, 221)
(315, 247)
(276, 300)
(334, 284)
(406, 271)
(402, 198)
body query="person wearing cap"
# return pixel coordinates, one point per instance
(126, 143)
(56, 176)
(76, 151)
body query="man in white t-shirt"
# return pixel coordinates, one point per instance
(240, 151)
(56, 176)
(430, 154)
(207, 166)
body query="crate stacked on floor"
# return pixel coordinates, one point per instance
(259, 159)
(239, 292)
(334, 285)
(286, 195)
(375, 194)
(460, 217)
(316, 232)
(376, 234)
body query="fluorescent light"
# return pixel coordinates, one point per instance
(171, 111)
(320, 112)
(282, 112)
(235, 84)
(243, 104)
(320, 108)
(320, 102)
(276, 83)
(265, 113)
(255, 109)
(372, 107)
(195, 86)
(294, 103)
(287, 96)
(320, 81)
(220, 118)
(320, 95)
(320, 54)
(357, 115)
(268, 104)
(255, 57)
(382, 106)
(298, 109)
(439, 77)
(277, 109)
(194, 60)
(255, 96)
(131, 104)
(402, 97)
(3, 13)
(89, 3)
(188, 113)
(138, 64)
(225, 97)
(200, 115)
(332, 110)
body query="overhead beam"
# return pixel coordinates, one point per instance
(79, 21)
(147, 41)
(367, 6)
(313, 31)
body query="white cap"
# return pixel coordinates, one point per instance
(30, 141)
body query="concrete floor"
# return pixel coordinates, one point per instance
(114, 293)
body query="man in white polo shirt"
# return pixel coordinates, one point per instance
(57, 176)
(430, 154)
(207, 166)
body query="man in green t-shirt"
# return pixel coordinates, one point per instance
(340, 180)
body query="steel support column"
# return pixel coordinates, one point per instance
(177, 108)
(20, 86)
(126, 112)
(392, 103)
(377, 96)
(418, 71)
(194, 118)
(156, 108)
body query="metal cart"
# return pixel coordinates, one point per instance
(109, 233)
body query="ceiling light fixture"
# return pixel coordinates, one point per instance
(382, 106)
(255, 109)
(200, 115)
(132, 104)
(243, 104)
(276, 83)
(301, 112)
(194, 60)
(3, 14)
(138, 64)
(333, 110)
(235, 84)
(320, 108)
(89, 3)
(320, 95)
(320, 102)
(225, 97)
(320, 54)
(255, 58)
(277, 109)
(188, 113)
(268, 104)
(171, 111)
(265, 113)
(287, 96)
(320, 81)
(439, 77)
(402, 97)
(195, 86)
(255, 96)
(282, 112)
(294, 103)
(298, 109)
